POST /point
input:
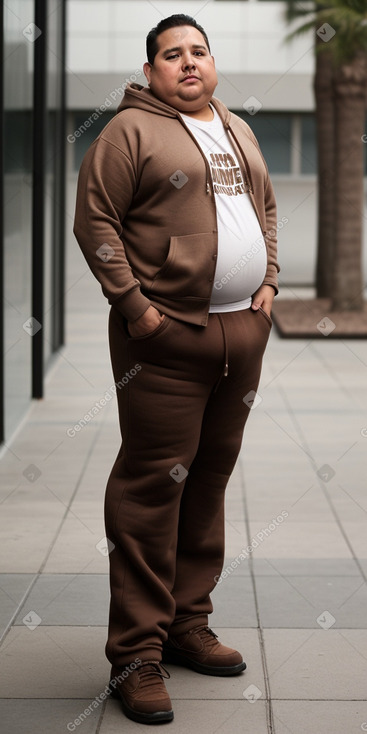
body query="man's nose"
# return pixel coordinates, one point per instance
(188, 62)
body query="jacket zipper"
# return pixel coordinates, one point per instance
(207, 168)
(248, 175)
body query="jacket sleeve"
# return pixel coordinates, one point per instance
(106, 187)
(272, 270)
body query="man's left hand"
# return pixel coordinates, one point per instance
(263, 298)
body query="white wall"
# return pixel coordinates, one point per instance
(247, 39)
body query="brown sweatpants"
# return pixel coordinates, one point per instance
(182, 420)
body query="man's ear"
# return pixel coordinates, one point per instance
(147, 71)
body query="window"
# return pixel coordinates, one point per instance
(274, 133)
(87, 130)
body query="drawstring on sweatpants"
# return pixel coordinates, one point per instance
(225, 367)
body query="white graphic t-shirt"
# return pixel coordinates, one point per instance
(242, 257)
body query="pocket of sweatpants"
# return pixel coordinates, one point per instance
(151, 334)
(268, 318)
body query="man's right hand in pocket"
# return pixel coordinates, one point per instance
(146, 323)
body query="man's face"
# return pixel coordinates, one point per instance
(183, 74)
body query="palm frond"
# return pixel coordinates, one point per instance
(348, 18)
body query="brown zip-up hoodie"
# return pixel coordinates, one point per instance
(148, 234)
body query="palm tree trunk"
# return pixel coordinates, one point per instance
(350, 94)
(323, 90)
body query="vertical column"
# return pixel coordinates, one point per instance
(38, 225)
(2, 356)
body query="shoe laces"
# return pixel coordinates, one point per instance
(148, 669)
(207, 636)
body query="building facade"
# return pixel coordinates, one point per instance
(32, 182)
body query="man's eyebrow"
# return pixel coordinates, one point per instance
(178, 48)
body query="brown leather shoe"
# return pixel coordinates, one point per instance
(199, 649)
(143, 693)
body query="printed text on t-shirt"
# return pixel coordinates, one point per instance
(226, 175)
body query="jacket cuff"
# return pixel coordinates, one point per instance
(132, 304)
(272, 280)
(266, 282)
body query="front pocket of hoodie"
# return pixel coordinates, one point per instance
(188, 271)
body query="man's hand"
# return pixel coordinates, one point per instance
(263, 297)
(146, 323)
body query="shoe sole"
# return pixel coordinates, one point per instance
(173, 657)
(158, 717)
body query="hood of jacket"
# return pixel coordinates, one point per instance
(141, 98)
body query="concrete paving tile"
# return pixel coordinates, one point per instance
(301, 540)
(54, 662)
(317, 664)
(235, 536)
(332, 448)
(275, 473)
(233, 602)
(26, 532)
(211, 717)
(363, 563)
(356, 532)
(12, 589)
(351, 507)
(37, 445)
(308, 717)
(75, 548)
(86, 511)
(93, 484)
(55, 410)
(21, 491)
(292, 602)
(234, 509)
(79, 381)
(43, 492)
(305, 502)
(62, 599)
(243, 569)
(274, 567)
(309, 567)
(35, 471)
(44, 716)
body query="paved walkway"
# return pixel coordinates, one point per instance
(295, 604)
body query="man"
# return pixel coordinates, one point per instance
(176, 218)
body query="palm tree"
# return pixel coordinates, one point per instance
(341, 27)
(326, 169)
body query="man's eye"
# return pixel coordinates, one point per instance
(172, 56)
